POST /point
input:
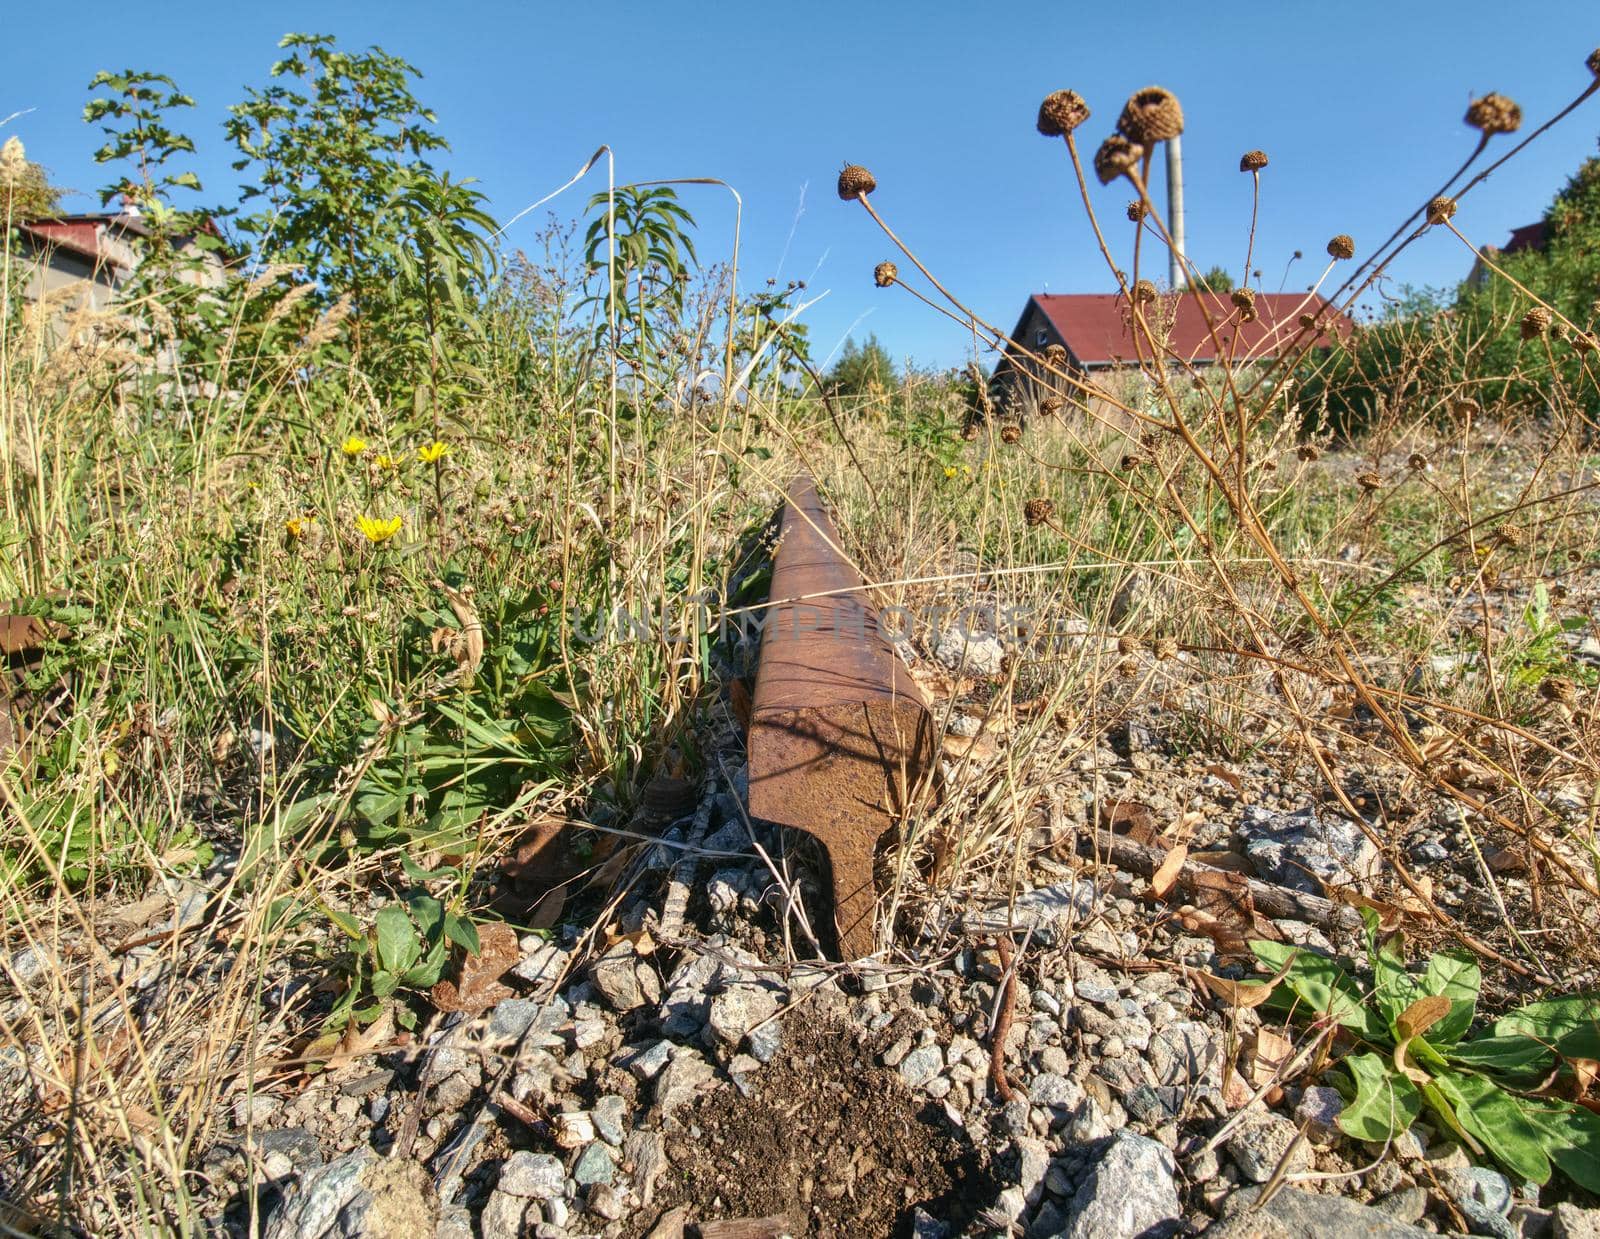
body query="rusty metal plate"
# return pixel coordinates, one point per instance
(839, 733)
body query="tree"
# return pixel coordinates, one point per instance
(862, 369)
(1216, 280)
(337, 144)
(25, 189)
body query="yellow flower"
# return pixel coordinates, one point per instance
(353, 446)
(378, 530)
(388, 462)
(296, 526)
(432, 452)
(949, 471)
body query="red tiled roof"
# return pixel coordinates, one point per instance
(1094, 326)
(1528, 237)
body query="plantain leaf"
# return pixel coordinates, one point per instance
(1516, 1056)
(1385, 1104)
(1553, 1018)
(1497, 1120)
(1323, 986)
(1453, 975)
(1570, 1136)
(397, 939)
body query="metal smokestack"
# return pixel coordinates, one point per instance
(1175, 273)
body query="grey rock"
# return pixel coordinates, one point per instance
(354, 1196)
(596, 1164)
(532, 1176)
(543, 962)
(738, 1009)
(646, 1152)
(1571, 1222)
(512, 1017)
(455, 1222)
(1033, 1158)
(1327, 1217)
(766, 1040)
(1182, 1054)
(624, 981)
(298, 1147)
(505, 1216)
(1049, 911)
(1406, 1205)
(1128, 1194)
(1482, 1220)
(974, 653)
(1319, 1109)
(1487, 1187)
(1258, 1147)
(1428, 852)
(921, 1065)
(610, 1115)
(1533, 1222)
(925, 1226)
(647, 1064)
(604, 1201)
(1303, 850)
(685, 1076)
(1154, 1105)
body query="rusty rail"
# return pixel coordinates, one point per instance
(839, 733)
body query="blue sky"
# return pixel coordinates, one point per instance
(1358, 105)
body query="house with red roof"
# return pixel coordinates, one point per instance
(1199, 329)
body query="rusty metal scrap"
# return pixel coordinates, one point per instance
(839, 734)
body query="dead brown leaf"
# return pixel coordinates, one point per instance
(1166, 875)
(477, 985)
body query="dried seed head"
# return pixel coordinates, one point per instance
(1061, 112)
(1252, 161)
(1559, 689)
(1010, 433)
(1306, 321)
(13, 161)
(1441, 209)
(1244, 300)
(1127, 668)
(1464, 406)
(1144, 290)
(1131, 461)
(1416, 462)
(1165, 648)
(1342, 246)
(1594, 62)
(1151, 115)
(1056, 355)
(1116, 157)
(855, 181)
(1494, 114)
(1535, 321)
(1038, 511)
(884, 274)
(1136, 212)
(1584, 342)
(1307, 452)
(1509, 536)
(969, 432)
(1368, 481)
(1129, 644)
(1051, 405)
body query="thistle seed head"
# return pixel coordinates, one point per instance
(1136, 212)
(1056, 355)
(1594, 62)
(1144, 290)
(1244, 300)
(1252, 161)
(1368, 481)
(1010, 433)
(1558, 689)
(1061, 112)
(1441, 209)
(1051, 405)
(1342, 246)
(1116, 157)
(884, 274)
(1038, 511)
(1584, 342)
(1494, 114)
(855, 181)
(1151, 115)
(1166, 648)
(1535, 322)
(1416, 462)
(1307, 452)
(1306, 321)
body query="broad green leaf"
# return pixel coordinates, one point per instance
(1552, 1018)
(427, 970)
(1570, 1136)
(417, 873)
(427, 911)
(397, 938)
(346, 922)
(1322, 985)
(463, 933)
(1498, 1122)
(384, 983)
(1453, 975)
(1394, 989)
(1514, 1056)
(1385, 1104)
